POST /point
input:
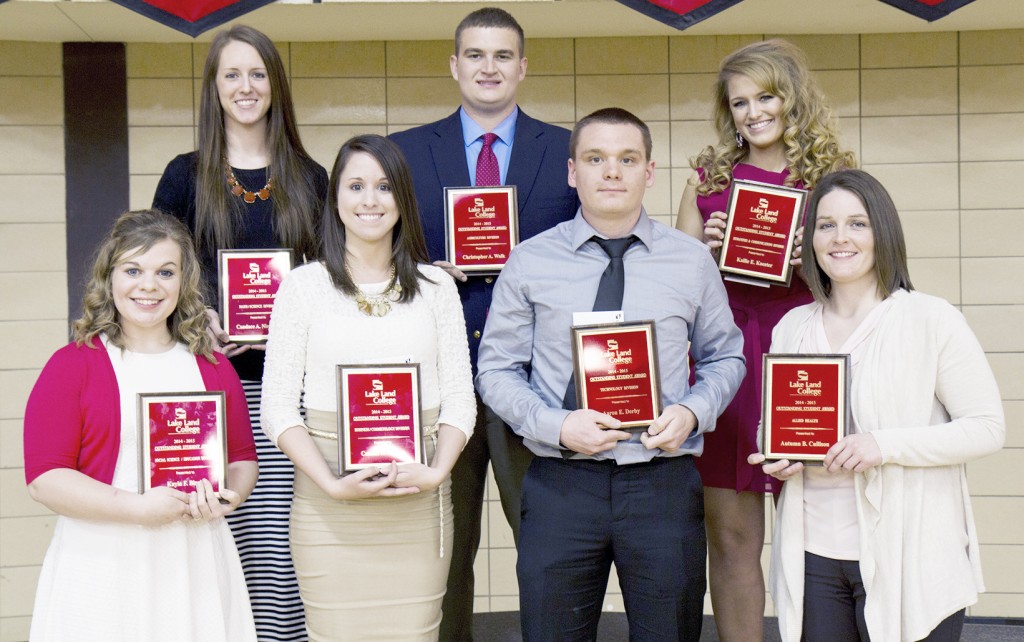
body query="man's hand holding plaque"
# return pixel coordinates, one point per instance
(249, 281)
(482, 227)
(616, 372)
(182, 440)
(378, 416)
(760, 232)
(806, 405)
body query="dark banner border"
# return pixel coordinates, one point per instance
(931, 13)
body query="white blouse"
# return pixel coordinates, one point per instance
(315, 327)
(173, 371)
(830, 502)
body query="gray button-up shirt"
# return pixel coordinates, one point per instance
(526, 354)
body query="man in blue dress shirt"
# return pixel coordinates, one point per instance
(489, 63)
(596, 494)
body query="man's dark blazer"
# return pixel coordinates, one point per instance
(437, 157)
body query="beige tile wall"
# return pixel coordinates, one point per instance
(33, 297)
(936, 116)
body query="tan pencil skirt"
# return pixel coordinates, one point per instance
(369, 569)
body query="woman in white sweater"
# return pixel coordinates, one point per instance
(879, 543)
(368, 546)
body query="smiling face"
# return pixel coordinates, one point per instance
(488, 67)
(756, 113)
(366, 204)
(610, 172)
(844, 242)
(145, 289)
(243, 84)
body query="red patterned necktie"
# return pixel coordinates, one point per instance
(487, 172)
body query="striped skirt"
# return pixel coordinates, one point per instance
(260, 527)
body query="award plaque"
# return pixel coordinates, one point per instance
(182, 440)
(249, 280)
(378, 416)
(616, 371)
(482, 225)
(806, 405)
(760, 232)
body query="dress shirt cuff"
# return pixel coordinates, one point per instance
(702, 411)
(549, 427)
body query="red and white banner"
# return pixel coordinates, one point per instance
(192, 17)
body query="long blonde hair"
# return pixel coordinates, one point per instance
(134, 233)
(810, 134)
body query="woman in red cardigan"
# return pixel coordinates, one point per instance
(159, 565)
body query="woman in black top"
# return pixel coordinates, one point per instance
(250, 185)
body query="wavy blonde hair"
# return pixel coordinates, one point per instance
(810, 136)
(134, 233)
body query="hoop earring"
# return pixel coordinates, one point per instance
(739, 140)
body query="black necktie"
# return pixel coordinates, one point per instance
(613, 279)
(609, 294)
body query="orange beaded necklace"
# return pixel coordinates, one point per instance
(238, 190)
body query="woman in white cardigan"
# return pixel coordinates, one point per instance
(879, 543)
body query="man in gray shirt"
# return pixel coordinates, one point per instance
(597, 494)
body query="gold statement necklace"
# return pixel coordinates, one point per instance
(377, 305)
(239, 190)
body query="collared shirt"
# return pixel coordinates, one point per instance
(471, 133)
(525, 357)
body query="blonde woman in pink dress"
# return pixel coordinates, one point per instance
(774, 126)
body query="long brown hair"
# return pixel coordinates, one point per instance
(134, 233)
(810, 135)
(408, 247)
(296, 202)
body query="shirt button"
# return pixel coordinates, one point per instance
(489, 279)
(476, 334)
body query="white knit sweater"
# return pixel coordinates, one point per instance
(314, 327)
(927, 394)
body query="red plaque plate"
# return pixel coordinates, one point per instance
(249, 280)
(482, 226)
(182, 440)
(760, 232)
(378, 416)
(616, 369)
(806, 405)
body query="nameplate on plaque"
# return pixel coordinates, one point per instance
(616, 371)
(249, 281)
(760, 232)
(182, 440)
(482, 227)
(806, 405)
(379, 416)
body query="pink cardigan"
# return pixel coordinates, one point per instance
(73, 417)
